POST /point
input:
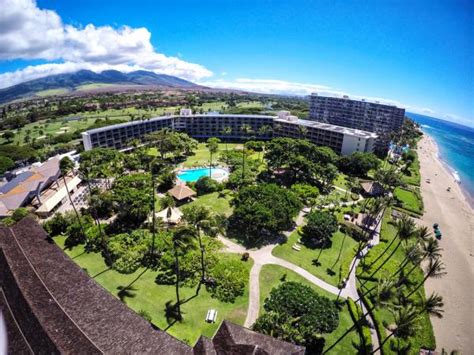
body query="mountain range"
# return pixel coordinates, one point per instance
(88, 80)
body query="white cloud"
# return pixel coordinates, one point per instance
(28, 32)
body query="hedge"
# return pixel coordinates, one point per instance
(379, 328)
(355, 311)
(354, 231)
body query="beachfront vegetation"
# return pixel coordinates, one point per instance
(409, 200)
(391, 284)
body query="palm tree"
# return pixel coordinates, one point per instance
(435, 269)
(213, 146)
(404, 319)
(431, 250)
(422, 235)
(182, 240)
(433, 305)
(66, 166)
(226, 131)
(405, 230)
(385, 288)
(302, 131)
(85, 177)
(246, 130)
(352, 183)
(205, 222)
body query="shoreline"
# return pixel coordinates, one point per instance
(452, 171)
(455, 215)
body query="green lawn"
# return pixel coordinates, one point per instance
(341, 181)
(413, 176)
(214, 202)
(146, 295)
(424, 336)
(330, 269)
(270, 277)
(410, 200)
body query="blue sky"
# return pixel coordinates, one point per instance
(417, 54)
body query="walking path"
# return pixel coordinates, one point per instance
(264, 256)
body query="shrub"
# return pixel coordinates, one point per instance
(8, 221)
(228, 280)
(352, 230)
(206, 185)
(20, 213)
(305, 192)
(245, 256)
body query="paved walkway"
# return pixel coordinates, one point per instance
(264, 256)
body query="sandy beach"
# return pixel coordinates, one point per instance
(455, 217)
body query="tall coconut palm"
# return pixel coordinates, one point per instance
(213, 146)
(430, 250)
(435, 269)
(414, 253)
(205, 222)
(182, 240)
(226, 131)
(352, 183)
(405, 319)
(246, 130)
(302, 131)
(433, 305)
(405, 230)
(85, 177)
(66, 166)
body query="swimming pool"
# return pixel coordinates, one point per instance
(191, 175)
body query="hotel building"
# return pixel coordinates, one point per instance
(341, 139)
(368, 116)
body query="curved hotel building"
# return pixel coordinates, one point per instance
(342, 140)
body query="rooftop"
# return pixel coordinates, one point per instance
(330, 127)
(320, 125)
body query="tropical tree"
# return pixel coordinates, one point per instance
(262, 211)
(430, 250)
(422, 235)
(213, 146)
(226, 131)
(66, 166)
(433, 305)
(302, 131)
(246, 131)
(388, 178)
(435, 269)
(317, 233)
(405, 230)
(405, 319)
(182, 240)
(203, 221)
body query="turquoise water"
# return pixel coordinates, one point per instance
(191, 175)
(456, 148)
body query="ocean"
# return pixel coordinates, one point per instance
(456, 148)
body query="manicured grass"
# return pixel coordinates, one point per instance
(413, 177)
(340, 181)
(328, 259)
(145, 294)
(410, 200)
(214, 202)
(271, 276)
(424, 336)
